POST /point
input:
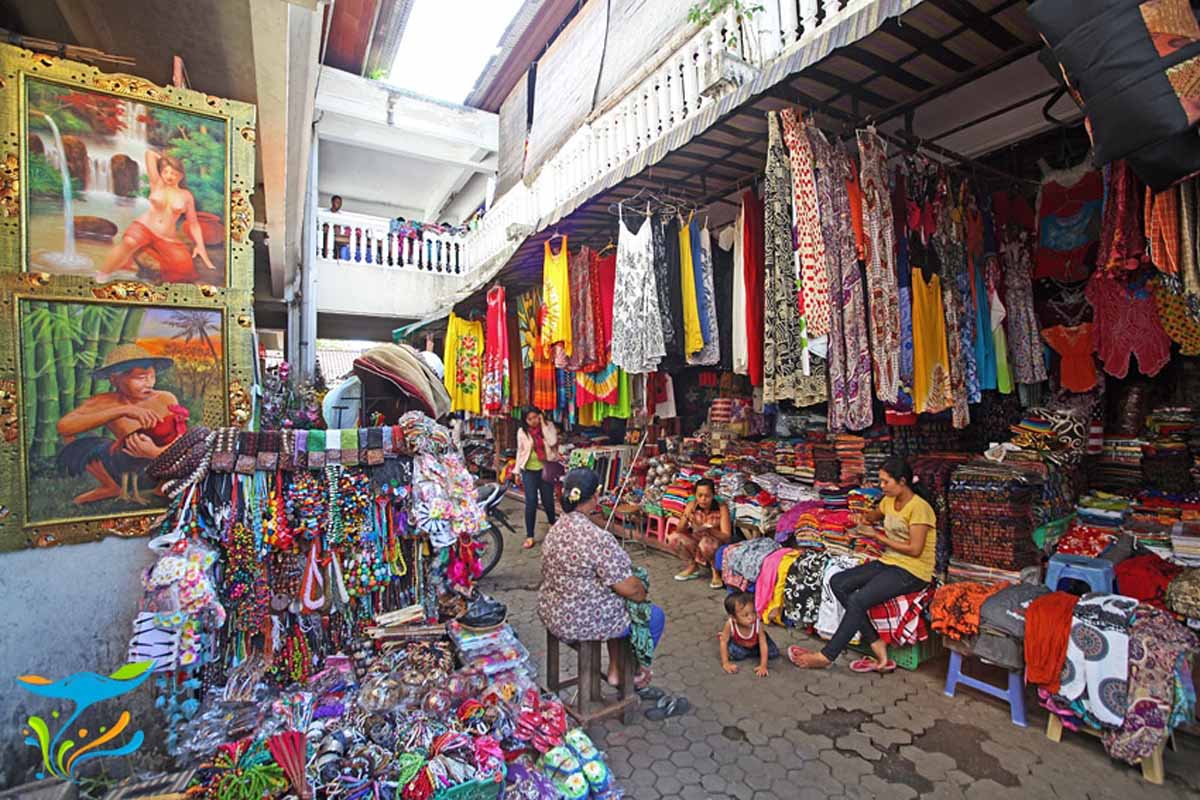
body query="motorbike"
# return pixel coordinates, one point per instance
(489, 496)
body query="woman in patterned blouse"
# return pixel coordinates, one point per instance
(586, 576)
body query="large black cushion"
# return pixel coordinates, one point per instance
(1137, 68)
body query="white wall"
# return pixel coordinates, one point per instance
(65, 610)
(344, 288)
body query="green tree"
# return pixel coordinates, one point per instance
(203, 158)
(51, 332)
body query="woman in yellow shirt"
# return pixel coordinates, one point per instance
(909, 538)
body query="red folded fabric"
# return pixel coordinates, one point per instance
(1047, 631)
(1146, 578)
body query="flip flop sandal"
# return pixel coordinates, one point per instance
(669, 707)
(716, 583)
(651, 693)
(643, 677)
(794, 653)
(529, 544)
(867, 665)
(688, 576)
(581, 744)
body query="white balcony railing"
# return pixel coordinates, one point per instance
(684, 83)
(346, 237)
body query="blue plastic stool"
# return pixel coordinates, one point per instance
(1014, 695)
(1095, 572)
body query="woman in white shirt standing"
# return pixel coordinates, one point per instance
(537, 460)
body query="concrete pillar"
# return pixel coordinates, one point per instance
(306, 360)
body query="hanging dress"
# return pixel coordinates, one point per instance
(880, 258)
(463, 358)
(783, 334)
(693, 336)
(585, 313)
(702, 258)
(495, 359)
(811, 273)
(960, 329)
(1023, 330)
(904, 289)
(666, 282)
(931, 359)
(1127, 324)
(1074, 345)
(606, 278)
(849, 346)
(1069, 208)
(752, 264)
(637, 344)
(545, 389)
(556, 295)
(741, 345)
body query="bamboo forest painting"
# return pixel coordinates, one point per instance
(105, 389)
(123, 189)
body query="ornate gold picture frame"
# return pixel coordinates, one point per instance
(126, 283)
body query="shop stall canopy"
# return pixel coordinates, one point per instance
(958, 80)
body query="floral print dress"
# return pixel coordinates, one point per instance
(637, 343)
(464, 364)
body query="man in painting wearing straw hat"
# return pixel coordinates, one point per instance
(143, 421)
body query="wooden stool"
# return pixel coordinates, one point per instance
(589, 705)
(1152, 766)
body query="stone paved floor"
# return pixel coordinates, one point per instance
(827, 734)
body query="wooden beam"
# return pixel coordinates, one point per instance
(925, 44)
(852, 88)
(979, 21)
(883, 66)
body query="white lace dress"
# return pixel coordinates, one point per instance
(637, 337)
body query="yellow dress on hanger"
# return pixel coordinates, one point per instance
(556, 294)
(464, 363)
(931, 357)
(693, 334)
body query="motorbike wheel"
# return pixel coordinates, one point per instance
(493, 548)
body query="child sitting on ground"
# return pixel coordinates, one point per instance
(744, 635)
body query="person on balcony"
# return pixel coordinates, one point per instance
(341, 233)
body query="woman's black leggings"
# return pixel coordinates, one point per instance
(861, 588)
(534, 485)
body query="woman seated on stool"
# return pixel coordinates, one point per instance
(909, 539)
(705, 527)
(586, 578)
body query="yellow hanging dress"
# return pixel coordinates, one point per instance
(463, 358)
(931, 357)
(556, 294)
(693, 334)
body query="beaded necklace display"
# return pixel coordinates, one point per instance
(305, 503)
(246, 582)
(336, 534)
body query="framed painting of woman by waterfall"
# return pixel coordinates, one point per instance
(117, 188)
(126, 290)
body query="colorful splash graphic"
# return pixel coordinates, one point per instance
(60, 757)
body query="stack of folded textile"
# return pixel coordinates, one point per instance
(849, 448)
(834, 496)
(1097, 524)
(877, 450)
(825, 462)
(676, 496)
(1166, 457)
(1119, 466)
(932, 473)
(1185, 544)
(961, 571)
(863, 500)
(790, 492)
(993, 514)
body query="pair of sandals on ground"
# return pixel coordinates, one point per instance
(696, 571)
